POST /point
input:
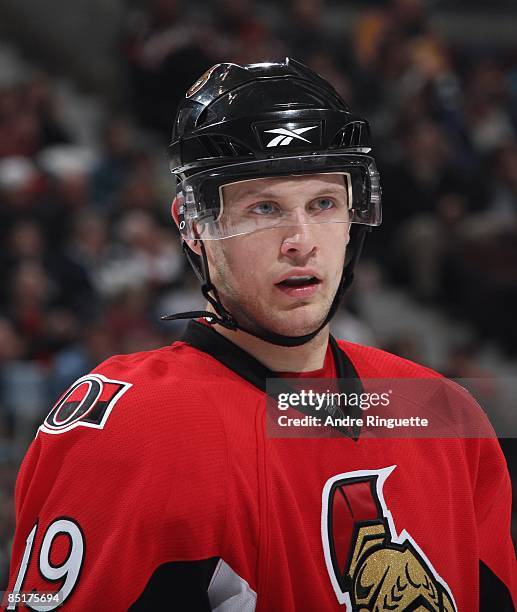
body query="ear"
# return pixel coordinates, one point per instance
(193, 244)
(174, 212)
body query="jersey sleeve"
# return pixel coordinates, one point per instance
(493, 504)
(121, 498)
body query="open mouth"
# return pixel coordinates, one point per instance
(299, 286)
(299, 281)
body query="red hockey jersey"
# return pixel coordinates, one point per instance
(152, 484)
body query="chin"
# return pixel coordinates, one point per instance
(300, 320)
(294, 323)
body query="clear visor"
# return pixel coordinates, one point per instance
(250, 197)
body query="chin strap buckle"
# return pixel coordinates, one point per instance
(223, 317)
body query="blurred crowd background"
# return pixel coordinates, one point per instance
(89, 257)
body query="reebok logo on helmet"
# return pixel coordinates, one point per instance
(286, 136)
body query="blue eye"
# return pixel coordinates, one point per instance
(323, 204)
(264, 208)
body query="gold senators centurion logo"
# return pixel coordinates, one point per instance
(371, 567)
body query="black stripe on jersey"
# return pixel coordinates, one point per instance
(178, 585)
(206, 339)
(493, 593)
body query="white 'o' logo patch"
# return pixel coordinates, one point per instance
(87, 403)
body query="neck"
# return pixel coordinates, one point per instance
(305, 358)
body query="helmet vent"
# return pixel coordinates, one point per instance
(351, 136)
(223, 146)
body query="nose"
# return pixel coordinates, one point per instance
(299, 240)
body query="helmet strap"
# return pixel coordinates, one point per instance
(200, 266)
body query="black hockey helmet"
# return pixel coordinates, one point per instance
(266, 120)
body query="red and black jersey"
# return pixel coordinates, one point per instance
(152, 485)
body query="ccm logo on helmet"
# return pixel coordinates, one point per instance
(87, 403)
(286, 136)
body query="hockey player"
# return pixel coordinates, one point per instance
(154, 482)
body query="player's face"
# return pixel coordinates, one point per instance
(283, 278)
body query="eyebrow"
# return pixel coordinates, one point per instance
(271, 194)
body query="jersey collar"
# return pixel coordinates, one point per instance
(206, 339)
